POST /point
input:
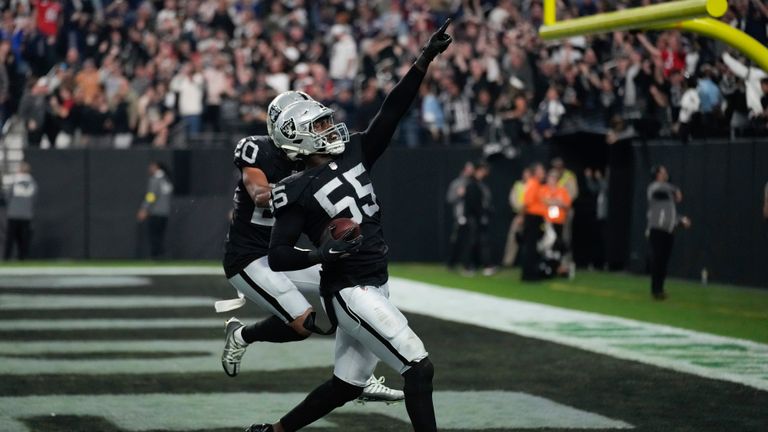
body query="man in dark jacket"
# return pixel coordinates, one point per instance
(477, 210)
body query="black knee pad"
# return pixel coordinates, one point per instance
(343, 392)
(419, 377)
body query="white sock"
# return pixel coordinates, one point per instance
(239, 336)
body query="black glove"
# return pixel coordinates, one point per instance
(437, 43)
(331, 250)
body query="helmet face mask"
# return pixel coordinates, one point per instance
(306, 128)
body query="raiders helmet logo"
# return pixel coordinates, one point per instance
(274, 113)
(288, 129)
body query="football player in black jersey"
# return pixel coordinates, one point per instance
(261, 163)
(336, 184)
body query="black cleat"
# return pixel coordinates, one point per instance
(264, 427)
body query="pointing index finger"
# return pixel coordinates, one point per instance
(445, 25)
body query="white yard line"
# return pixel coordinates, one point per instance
(113, 271)
(702, 354)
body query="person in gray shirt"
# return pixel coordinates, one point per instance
(662, 221)
(156, 208)
(20, 197)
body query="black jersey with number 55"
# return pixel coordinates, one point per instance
(250, 227)
(340, 188)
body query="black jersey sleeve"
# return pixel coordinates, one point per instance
(379, 133)
(283, 254)
(249, 152)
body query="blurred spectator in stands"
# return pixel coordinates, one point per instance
(690, 104)
(20, 197)
(155, 116)
(533, 222)
(710, 101)
(156, 208)
(253, 115)
(432, 116)
(558, 203)
(668, 50)
(483, 118)
(218, 82)
(663, 219)
(455, 198)
(598, 185)
(516, 201)
(751, 18)
(370, 102)
(88, 81)
(736, 111)
(95, 122)
(517, 122)
(124, 115)
(343, 60)
(752, 77)
(548, 115)
(32, 110)
(458, 114)
(189, 84)
(478, 210)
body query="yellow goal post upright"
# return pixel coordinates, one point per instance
(695, 16)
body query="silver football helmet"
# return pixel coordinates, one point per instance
(306, 128)
(281, 102)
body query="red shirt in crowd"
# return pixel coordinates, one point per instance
(47, 15)
(673, 61)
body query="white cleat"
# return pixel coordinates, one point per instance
(233, 350)
(376, 391)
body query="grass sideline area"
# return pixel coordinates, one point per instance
(714, 308)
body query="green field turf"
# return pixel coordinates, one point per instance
(713, 308)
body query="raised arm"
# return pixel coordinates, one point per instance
(738, 69)
(379, 133)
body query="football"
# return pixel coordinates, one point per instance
(340, 227)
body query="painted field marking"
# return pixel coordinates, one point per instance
(28, 358)
(70, 301)
(456, 410)
(201, 270)
(118, 323)
(701, 354)
(75, 282)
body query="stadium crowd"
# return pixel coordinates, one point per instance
(121, 73)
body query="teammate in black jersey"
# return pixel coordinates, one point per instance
(336, 184)
(261, 163)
